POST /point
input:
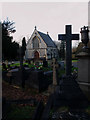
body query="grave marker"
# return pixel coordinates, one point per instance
(52, 87)
(22, 70)
(21, 58)
(84, 63)
(68, 37)
(55, 65)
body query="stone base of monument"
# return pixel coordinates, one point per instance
(67, 102)
(69, 94)
(85, 88)
(84, 71)
(51, 88)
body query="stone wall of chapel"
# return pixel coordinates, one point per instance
(29, 45)
(42, 52)
(30, 53)
(41, 44)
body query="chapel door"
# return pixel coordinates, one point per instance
(36, 55)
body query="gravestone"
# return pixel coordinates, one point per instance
(84, 63)
(6, 62)
(53, 86)
(45, 63)
(4, 66)
(84, 72)
(55, 66)
(69, 93)
(68, 37)
(21, 70)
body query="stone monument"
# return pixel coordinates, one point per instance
(21, 70)
(52, 87)
(55, 66)
(69, 92)
(68, 37)
(84, 63)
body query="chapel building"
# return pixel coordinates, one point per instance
(40, 46)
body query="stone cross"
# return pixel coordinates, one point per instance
(21, 58)
(21, 67)
(55, 65)
(68, 37)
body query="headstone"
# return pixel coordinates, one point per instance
(45, 63)
(68, 37)
(69, 93)
(22, 70)
(53, 86)
(21, 57)
(84, 63)
(6, 62)
(84, 72)
(4, 66)
(55, 66)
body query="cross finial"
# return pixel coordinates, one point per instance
(47, 32)
(35, 27)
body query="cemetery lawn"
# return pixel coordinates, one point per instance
(12, 92)
(21, 112)
(32, 66)
(74, 60)
(88, 110)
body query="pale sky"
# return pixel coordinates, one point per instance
(48, 16)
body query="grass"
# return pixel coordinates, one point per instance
(46, 69)
(63, 108)
(88, 110)
(15, 64)
(74, 60)
(32, 66)
(21, 112)
(60, 73)
(42, 68)
(74, 69)
(60, 109)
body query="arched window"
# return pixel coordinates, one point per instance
(35, 42)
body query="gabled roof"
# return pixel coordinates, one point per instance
(47, 39)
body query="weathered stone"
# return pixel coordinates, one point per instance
(69, 94)
(84, 72)
(68, 37)
(53, 86)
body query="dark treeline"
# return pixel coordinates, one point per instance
(9, 47)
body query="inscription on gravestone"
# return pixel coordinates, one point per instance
(68, 37)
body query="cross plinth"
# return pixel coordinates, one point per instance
(68, 37)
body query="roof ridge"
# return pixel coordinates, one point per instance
(42, 32)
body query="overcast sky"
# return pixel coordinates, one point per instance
(50, 16)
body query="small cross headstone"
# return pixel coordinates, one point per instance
(68, 37)
(55, 65)
(21, 58)
(45, 63)
(52, 87)
(21, 67)
(6, 62)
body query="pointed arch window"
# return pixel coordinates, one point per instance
(35, 42)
